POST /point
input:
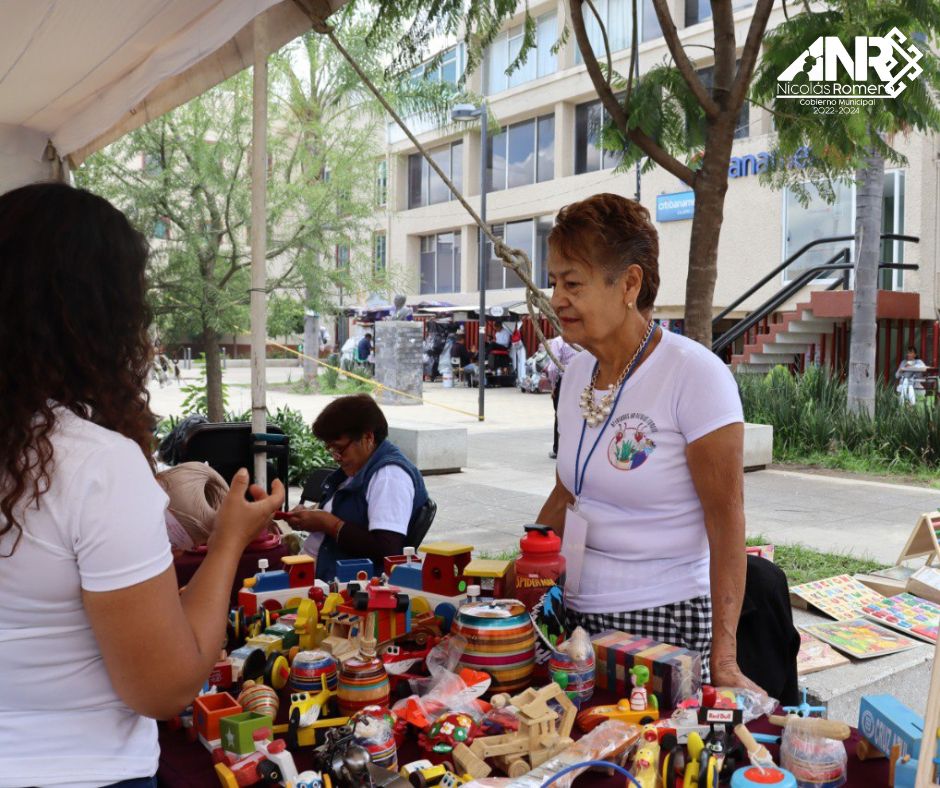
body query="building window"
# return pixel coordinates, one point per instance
(701, 10)
(425, 186)
(446, 68)
(440, 263)
(529, 235)
(817, 219)
(342, 256)
(742, 128)
(379, 262)
(589, 156)
(521, 154)
(381, 182)
(539, 62)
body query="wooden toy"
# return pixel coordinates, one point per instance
(829, 729)
(312, 779)
(350, 569)
(885, 723)
(675, 671)
(309, 667)
(753, 777)
(209, 711)
(575, 679)
(622, 710)
(492, 575)
(268, 762)
(237, 731)
(500, 641)
(278, 589)
(373, 728)
(442, 570)
(543, 732)
(362, 679)
(259, 698)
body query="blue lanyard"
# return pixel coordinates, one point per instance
(579, 472)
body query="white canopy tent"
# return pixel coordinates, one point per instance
(76, 75)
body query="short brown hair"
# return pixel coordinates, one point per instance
(612, 232)
(351, 417)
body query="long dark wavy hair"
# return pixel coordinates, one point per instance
(73, 331)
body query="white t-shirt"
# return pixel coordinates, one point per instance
(99, 527)
(391, 497)
(646, 543)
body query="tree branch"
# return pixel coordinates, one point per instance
(603, 29)
(617, 113)
(750, 53)
(725, 51)
(683, 64)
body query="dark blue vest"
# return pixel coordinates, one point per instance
(350, 504)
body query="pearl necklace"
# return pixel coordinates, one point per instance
(595, 413)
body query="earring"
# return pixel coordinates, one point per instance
(630, 305)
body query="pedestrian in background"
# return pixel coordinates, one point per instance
(564, 353)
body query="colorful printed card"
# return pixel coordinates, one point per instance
(815, 655)
(908, 613)
(860, 638)
(842, 597)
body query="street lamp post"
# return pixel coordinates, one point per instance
(468, 112)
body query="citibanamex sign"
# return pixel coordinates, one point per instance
(830, 76)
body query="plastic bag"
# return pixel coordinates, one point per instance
(446, 689)
(606, 742)
(812, 759)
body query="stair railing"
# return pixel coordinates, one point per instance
(838, 262)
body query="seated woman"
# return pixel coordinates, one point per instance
(368, 503)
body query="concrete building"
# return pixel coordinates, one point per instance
(546, 156)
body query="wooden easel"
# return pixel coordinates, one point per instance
(923, 540)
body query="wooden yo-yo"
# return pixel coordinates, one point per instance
(500, 641)
(362, 679)
(259, 698)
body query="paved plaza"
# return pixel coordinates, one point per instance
(510, 474)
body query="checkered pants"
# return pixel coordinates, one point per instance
(687, 624)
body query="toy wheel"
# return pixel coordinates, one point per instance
(352, 588)
(276, 671)
(667, 767)
(420, 605)
(401, 605)
(691, 776)
(646, 720)
(268, 770)
(238, 622)
(417, 780)
(254, 666)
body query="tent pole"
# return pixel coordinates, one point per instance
(259, 160)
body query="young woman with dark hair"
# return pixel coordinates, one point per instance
(365, 506)
(94, 636)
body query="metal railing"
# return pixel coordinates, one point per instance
(838, 262)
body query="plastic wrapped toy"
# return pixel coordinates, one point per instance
(572, 666)
(812, 759)
(373, 728)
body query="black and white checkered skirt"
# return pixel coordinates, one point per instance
(687, 624)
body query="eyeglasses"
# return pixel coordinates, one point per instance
(339, 451)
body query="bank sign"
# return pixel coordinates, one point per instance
(878, 67)
(675, 207)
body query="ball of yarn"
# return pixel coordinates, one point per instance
(196, 492)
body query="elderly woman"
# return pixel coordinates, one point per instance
(367, 504)
(649, 484)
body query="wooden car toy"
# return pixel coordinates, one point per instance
(590, 718)
(423, 773)
(376, 596)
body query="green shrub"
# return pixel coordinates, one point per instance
(306, 451)
(331, 373)
(810, 417)
(197, 393)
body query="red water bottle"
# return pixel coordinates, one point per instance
(540, 566)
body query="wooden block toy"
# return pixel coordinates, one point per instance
(674, 670)
(209, 710)
(350, 569)
(408, 576)
(443, 567)
(301, 569)
(883, 722)
(284, 630)
(269, 644)
(237, 731)
(491, 574)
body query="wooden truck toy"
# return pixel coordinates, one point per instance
(279, 588)
(269, 762)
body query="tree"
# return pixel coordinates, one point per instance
(193, 194)
(855, 141)
(667, 116)
(285, 315)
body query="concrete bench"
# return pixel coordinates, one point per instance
(431, 448)
(758, 446)
(906, 675)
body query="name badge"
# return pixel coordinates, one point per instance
(572, 548)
